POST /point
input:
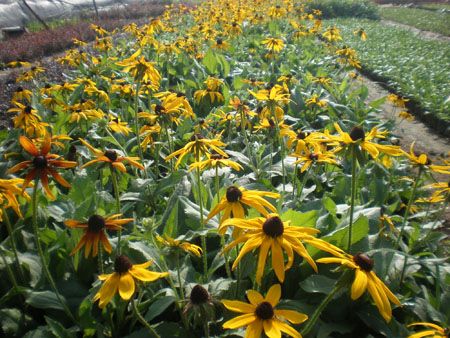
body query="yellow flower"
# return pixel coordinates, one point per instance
(314, 100)
(28, 119)
(432, 331)
(365, 279)
(308, 158)
(235, 200)
(423, 160)
(270, 233)
(332, 34)
(397, 100)
(260, 315)
(141, 70)
(274, 45)
(94, 232)
(212, 90)
(361, 33)
(112, 157)
(116, 125)
(363, 140)
(123, 280)
(186, 246)
(221, 44)
(215, 161)
(197, 146)
(406, 116)
(42, 165)
(88, 114)
(9, 189)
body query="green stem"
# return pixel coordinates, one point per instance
(294, 180)
(402, 228)
(10, 273)
(117, 197)
(352, 203)
(13, 243)
(239, 275)
(202, 225)
(136, 125)
(100, 260)
(142, 320)
(179, 275)
(41, 253)
(315, 316)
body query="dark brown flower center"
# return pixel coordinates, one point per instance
(357, 133)
(180, 94)
(216, 157)
(273, 227)
(122, 264)
(264, 311)
(19, 89)
(271, 123)
(313, 157)
(159, 109)
(301, 135)
(199, 295)
(27, 110)
(96, 223)
(196, 137)
(233, 194)
(363, 261)
(111, 154)
(219, 41)
(72, 154)
(40, 162)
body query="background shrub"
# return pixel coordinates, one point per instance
(345, 8)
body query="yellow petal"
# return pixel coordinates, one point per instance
(126, 286)
(271, 329)
(146, 275)
(274, 294)
(359, 284)
(237, 306)
(240, 321)
(254, 297)
(292, 316)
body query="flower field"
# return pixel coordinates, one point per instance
(217, 172)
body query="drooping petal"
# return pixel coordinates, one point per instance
(126, 286)
(277, 260)
(294, 317)
(240, 321)
(288, 330)
(146, 275)
(359, 284)
(254, 330)
(263, 251)
(28, 146)
(271, 329)
(108, 290)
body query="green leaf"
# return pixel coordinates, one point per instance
(158, 307)
(44, 300)
(378, 102)
(302, 219)
(339, 237)
(318, 284)
(210, 62)
(57, 329)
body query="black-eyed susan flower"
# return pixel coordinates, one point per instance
(422, 160)
(112, 157)
(183, 245)
(273, 45)
(271, 234)
(275, 97)
(405, 115)
(123, 280)
(315, 101)
(261, 315)
(28, 119)
(94, 232)
(332, 34)
(215, 161)
(432, 331)
(237, 198)
(42, 164)
(9, 189)
(307, 158)
(358, 137)
(365, 279)
(140, 69)
(361, 33)
(212, 90)
(118, 126)
(198, 146)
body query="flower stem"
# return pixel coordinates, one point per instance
(142, 320)
(315, 316)
(222, 238)
(179, 275)
(13, 243)
(117, 196)
(352, 202)
(136, 125)
(202, 226)
(10, 273)
(100, 260)
(41, 253)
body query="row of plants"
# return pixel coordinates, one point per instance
(412, 67)
(39, 43)
(217, 173)
(423, 19)
(345, 8)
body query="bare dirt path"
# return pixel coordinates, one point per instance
(421, 33)
(427, 140)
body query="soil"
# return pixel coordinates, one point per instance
(421, 33)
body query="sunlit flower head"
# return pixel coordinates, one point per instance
(261, 315)
(123, 280)
(94, 232)
(183, 245)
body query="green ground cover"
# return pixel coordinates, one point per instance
(416, 68)
(434, 21)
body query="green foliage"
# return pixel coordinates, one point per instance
(345, 8)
